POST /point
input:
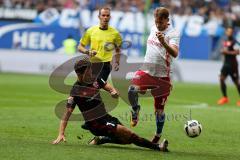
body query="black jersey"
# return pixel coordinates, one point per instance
(229, 44)
(87, 98)
(230, 65)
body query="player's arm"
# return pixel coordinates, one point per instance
(117, 58)
(171, 49)
(234, 52)
(118, 43)
(63, 125)
(82, 49)
(85, 41)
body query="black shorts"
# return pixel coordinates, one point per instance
(106, 126)
(231, 70)
(101, 71)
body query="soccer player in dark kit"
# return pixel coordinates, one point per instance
(230, 65)
(107, 129)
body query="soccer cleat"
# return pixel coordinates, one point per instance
(85, 126)
(135, 116)
(222, 101)
(238, 103)
(163, 146)
(156, 139)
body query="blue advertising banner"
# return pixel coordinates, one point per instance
(29, 36)
(40, 37)
(195, 47)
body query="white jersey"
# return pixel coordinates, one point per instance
(157, 61)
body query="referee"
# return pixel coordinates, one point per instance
(103, 41)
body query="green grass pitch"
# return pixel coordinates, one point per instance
(28, 124)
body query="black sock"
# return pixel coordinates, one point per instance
(133, 97)
(160, 119)
(223, 88)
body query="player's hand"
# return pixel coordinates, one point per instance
(224, 51)
(59, 139)
(116, 66)
(92, 53)
(160, 37)
(114, 94)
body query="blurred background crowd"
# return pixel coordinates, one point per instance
(224, 11)
(200, 22)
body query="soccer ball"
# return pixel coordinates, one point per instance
(192, 128)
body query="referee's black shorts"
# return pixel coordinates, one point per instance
(101, 71)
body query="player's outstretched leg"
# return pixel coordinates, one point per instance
(125, 136)
(133, 99)
(98, 140)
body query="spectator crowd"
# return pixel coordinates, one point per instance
(224, 11)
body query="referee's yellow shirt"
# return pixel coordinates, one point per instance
(102, 41)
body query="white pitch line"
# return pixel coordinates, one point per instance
(200, 105)
(206, 106)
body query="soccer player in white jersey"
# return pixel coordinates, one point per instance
(162, 47)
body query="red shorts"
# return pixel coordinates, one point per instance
(160, 87)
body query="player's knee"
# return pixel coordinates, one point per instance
(159, 111)
(70, 103)
(222, 78)
(160, 115)
(135, 89)
(133, 138)
(222, 81)
(124, 134)
(131, 89)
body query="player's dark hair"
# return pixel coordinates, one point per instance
(103, 8)
(161, 12)
(81, 65)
